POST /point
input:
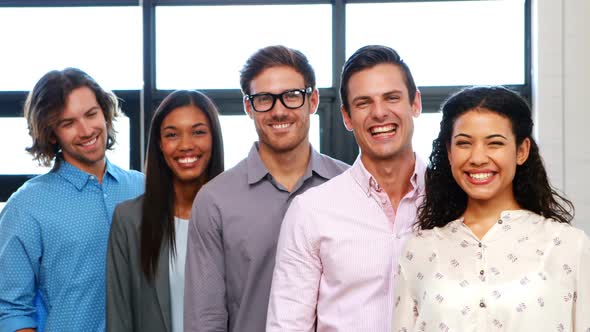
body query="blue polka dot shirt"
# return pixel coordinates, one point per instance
(53, 242)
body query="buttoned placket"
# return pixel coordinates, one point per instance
(381, 198)
(482, 275)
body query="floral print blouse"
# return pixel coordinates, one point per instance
(527, 273)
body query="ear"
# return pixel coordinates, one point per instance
(522, 152)
(346, 119)
(248, 107)
(314, 101)
(417, 104)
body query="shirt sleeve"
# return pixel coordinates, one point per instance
(20, 257)
(582, 306)
(405, 307)
(119, 306)
(205, 302)
(297, 273)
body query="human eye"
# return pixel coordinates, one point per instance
(392, 98)
(263, 98)
(462, 143)
(199, 132)
(170, 135)
(496, 143)
(362, 103)
(66, 124)
(292, 95)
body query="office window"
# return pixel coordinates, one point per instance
(426, 129)
(14, 130)
(204, 47)
(105, 42)
(239, 134)
(446, 43)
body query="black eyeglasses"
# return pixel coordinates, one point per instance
(291, 99)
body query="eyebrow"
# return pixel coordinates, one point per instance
(384, 94)
(487, 137)
(73, 118)
(196, 125)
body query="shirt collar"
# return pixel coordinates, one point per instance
(516, 221)
(257, 170)
(367, 182)
(79, 178)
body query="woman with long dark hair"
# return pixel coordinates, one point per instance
(147, 244)
(494, 249)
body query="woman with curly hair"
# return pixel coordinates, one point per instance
(494, 249)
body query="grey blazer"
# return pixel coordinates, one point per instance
(133, 303)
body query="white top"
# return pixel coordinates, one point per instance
(176, 273)
(528, 273)
(338, 246)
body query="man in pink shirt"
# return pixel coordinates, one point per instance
(340, 241)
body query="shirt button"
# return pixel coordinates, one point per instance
(500, 221)
(481, 272)
(482, 304)
(479, 245)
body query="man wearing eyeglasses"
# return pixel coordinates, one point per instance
(237, 216)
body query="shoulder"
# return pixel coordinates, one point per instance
(234, 175)
(33, 191)
(336, 185)
(128, 176)
(333, 166)
(127, 216)
(565, 232)
(229, 182)
(131, 207)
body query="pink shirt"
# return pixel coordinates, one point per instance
(337, 249)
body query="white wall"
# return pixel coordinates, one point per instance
(561, 96)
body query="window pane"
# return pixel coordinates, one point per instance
(426, 129)
(446, 43)
(239, 134)
(105, 42)
(14, 130)
(190, 56)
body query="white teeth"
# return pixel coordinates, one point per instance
(89, 142)
(281, 125)
(480, 176)
(187, 160)
(383, 129)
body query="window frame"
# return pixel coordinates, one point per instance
(140, 105)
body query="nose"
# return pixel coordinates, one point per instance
(479, 155)
(379, 111)
(85, 129)
(186, 143)
(279, 111)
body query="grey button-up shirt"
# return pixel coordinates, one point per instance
(235, 223)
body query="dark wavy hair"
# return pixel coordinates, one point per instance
(157, 224)
(445, 201)
(275, 56)
(368, 57)
(47, 101)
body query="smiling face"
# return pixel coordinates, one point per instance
(381, 113)
(186, 143)
(281, 129)
(81, 132)
(483, 156)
